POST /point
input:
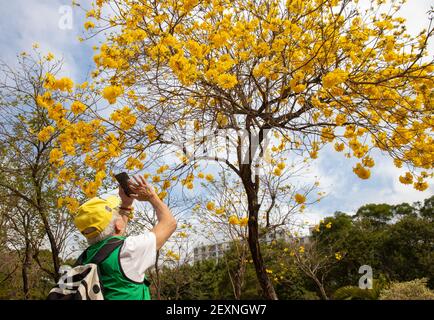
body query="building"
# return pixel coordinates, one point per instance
(212, 251)
(216, 251)
(277, 234)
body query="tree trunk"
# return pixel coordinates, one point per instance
(42, 212)
(25, 270)
(252, 188)
(239, 275)
(321, 288)
(157, 277)
(255, 250)
(264, 280)
(53, 246)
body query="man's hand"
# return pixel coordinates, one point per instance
(142, 190)
(126, 201)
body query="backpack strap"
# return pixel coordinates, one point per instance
(110, 246)
(80, 259)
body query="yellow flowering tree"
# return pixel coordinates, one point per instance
(222, 218)
(29, 177)
(313, 261)
(317, 72)
(222, 213)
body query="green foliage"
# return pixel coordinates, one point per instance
(396, 241)
(410, 290)
(356, 293)
(377, 214)
(408, 249)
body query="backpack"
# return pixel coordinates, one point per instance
(82, 282)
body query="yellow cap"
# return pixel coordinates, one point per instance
(95, 215)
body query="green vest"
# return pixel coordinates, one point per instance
(116, 284)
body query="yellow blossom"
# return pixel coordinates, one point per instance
(334, 78)
(78, 107)
(227, 81)
(210, 206)
(89, 25)
(407, 178)
(420, 185)
(45, 134)
(111, 93)
(362, 172)
(299, 198)
(234, 220)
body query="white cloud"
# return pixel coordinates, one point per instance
(26, 22)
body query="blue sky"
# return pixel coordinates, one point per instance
(25, 22)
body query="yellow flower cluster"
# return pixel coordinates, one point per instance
(45, 134)
(334, 78)
(56, 157)
(63, 84)
(172, 255)
(339, 147)
(78, 107)
(234, 220)
(188, 181)
(70, 203)
(65, 175)
(124, 117)
(299, 198)
(420, 185)
(166, 184)
(368, 162)
(163, 168)
(227, 81)
(151, 132)
(89, 25)
(407, 178)
(133, 163)
(210, 206)
(279, 168)
(362, 172)
(111, 93)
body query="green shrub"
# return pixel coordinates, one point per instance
(411, 290)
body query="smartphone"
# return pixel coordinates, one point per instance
(122, 179)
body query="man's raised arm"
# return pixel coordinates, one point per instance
(166, 225)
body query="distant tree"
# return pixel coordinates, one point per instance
(427, 209)
(377, 214)
(407, 249)
(27, 171)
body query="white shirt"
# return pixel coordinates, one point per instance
(137, 254)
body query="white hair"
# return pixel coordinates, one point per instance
(108, 231)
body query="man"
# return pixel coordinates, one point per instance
(122, 273)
